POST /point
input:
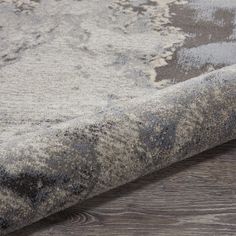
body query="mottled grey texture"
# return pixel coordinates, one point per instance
(80, 110)
(214, 42)
(45, 172)
(63, 59)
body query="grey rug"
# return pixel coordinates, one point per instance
(94, 94)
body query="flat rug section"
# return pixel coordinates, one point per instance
(60, 60)
(94, 94)
(63, 59)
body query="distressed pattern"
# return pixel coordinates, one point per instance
(78, 53)
(90, 99)
(46, 172)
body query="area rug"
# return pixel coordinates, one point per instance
(96, 93)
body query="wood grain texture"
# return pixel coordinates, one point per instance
(193, 197)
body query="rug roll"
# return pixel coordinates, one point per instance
(45, 172)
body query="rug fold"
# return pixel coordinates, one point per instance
(48, 171)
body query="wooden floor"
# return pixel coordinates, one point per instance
(194, 197)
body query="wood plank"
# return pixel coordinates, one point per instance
(193, 197)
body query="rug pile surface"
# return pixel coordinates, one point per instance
(94, 94)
